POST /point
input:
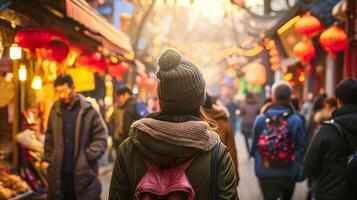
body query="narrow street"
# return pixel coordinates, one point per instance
(74, 72)
(248, 185)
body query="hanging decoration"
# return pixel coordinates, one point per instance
(308, 25)
(273, 53)
(142, 80)
(55, 51)
(274, 60)
(333, 40)
(255, 74)
(118, 70)
(35, 38)
(305, 51)
(92, 60)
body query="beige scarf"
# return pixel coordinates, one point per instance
(189, 134)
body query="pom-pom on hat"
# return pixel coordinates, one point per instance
(181, 86)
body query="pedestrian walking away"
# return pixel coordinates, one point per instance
(177, 145)
(328, 156)
(249, 110)
(76, 137)
(279, 141)
(125, 113)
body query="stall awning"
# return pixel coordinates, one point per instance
(80, 11)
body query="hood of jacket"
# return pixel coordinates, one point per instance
(217, 112)
(155, 138)
(346, 116)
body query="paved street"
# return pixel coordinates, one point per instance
(105, 175)
(248, 186)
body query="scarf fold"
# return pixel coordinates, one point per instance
(188, 134)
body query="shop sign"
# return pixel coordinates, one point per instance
(83, 79)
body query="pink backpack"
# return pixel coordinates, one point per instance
(171, 183)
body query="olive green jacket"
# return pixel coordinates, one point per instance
(154, 138)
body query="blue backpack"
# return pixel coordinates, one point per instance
(141, 109)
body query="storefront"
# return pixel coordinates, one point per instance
(351, 54)
(39, 40)
(318, 40)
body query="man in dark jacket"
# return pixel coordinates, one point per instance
(76, 137)
(276, 181)
(326, 156)
(124, 115)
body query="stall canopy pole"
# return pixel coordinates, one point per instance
(15, 123)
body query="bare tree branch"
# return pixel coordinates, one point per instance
(141, 26)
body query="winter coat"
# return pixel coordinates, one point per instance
(248, 112)
(122, 118)
(90, 142)
(225, 132)
(181, 141)
(298, 133)
(325, 158)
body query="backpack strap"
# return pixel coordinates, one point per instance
(340, 131)
(214, 163)
(284, 115)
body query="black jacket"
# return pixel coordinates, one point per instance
(122, 118)
(325, 158)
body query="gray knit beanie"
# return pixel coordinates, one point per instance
(181, 87)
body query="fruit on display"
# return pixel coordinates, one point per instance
(6, 193)
(11, 185)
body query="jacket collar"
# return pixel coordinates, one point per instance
(271, 105)
(345, 110)
(130, 99)
(83, 103)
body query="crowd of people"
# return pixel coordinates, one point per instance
(187, 150)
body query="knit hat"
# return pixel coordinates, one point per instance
(181, 86)
(345, 91)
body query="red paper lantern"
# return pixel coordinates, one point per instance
(92, 60)
(308, 25)
(305, 51)
(274, 60)
(333, 40)
(274, 52)
(55, 51)
(255, 73)
(274, 67)
(38, 37)
(118, 70)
